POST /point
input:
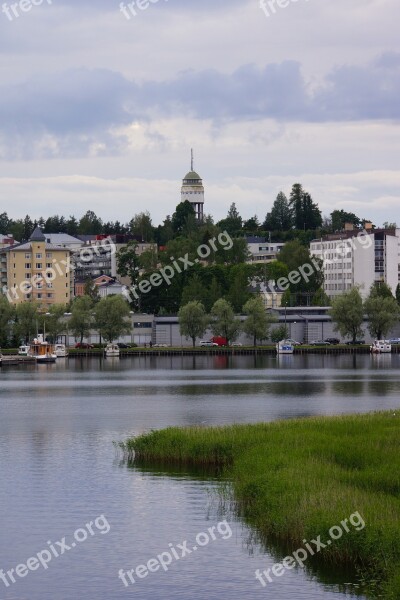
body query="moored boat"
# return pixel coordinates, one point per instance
(23, 350)
(284, 347)
(42, 351)
(381, 347)
(61, 350)
(111, 351)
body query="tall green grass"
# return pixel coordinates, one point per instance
(296, 479)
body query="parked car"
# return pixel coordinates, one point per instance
(319, 343)
(394, 341)
(219, 340)
(294, 342)
(84, 346)
(206, 343)
(236, 345)
(333, 341)
(122, 345)
(356, 343)
(160, 345)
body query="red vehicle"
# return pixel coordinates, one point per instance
(84, 346)
(220, 341)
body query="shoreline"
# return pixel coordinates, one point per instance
(296, 479)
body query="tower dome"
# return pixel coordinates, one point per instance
(193, 191)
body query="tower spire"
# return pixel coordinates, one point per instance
(191, 160)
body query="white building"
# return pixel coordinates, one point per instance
(262, 251)
(358, 258)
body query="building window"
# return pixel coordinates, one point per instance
(28, 265)
(49, 275)
(49, 255)
(38, 255)
(39, 296)
(27, 275)
(50, 295)
(48, 265)
(27, 255)
(49, 285)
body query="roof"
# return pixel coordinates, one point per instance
(28, 246)
(37, 236)
(61, 238)
(192, 175)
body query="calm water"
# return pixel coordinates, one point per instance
(59, 469)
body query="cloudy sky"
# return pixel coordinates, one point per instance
(99, 106)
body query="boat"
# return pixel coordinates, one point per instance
(42, 351)
(61, 350)
(284, 347)
(23, 351)
(381, 347)
(111, 350)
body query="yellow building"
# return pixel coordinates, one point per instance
(38, 271)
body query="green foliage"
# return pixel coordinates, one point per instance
(141, 226)
(194, 290)
(347, 313)
(320, 298)
(398, 293)
(128, 265)
(26, 320)
(193, 321)
(184, 218)
(280, 333)
(258, 322)
(239, 292)
(382, 311)
(91, 289)
(223, 321)
(305, 213)
(111, 316)
(295, 256)
(233, 222)
(81, 317)
(7, 313)
(280, 218)
(295, 479)
(55, 323)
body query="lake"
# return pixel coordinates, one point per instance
(61, 476)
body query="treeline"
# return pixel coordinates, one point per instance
(293, 217)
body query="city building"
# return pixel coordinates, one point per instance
(38, 271)
(193, 191)
(261, 251)
(358, 258)
(6, 241)
(64, 240)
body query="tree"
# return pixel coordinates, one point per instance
(128, 265)
(194, 290)
(110, 317)
(239, 292)
(347, 313)
(142, 227)
(26, 321)
(81, 317)
(5, 223)
(398, 293)
(279, 333)
(90, 224)
(252, 225)
(184, 214)
(296, 257)
(55, 323)
(6, 317)
(320, 298)
(381, 310)
(91, 289)
(233, 222)
(340, 217)
(258, 322)
(305, 213)
(280, 217)
(223, 321)
(193, 320)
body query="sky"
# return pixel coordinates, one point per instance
(101, 102)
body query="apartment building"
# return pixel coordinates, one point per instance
(358, 258)
(261, 251)
(38, 271)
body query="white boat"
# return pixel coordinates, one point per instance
(42, 351)
(23, 351)
(61, 350)
(381, 347)
(284, 347)
(111, 350)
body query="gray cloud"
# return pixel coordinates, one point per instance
(79, 108)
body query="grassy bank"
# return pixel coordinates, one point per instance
(296, 479)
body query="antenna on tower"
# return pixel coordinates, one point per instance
(192, 159)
